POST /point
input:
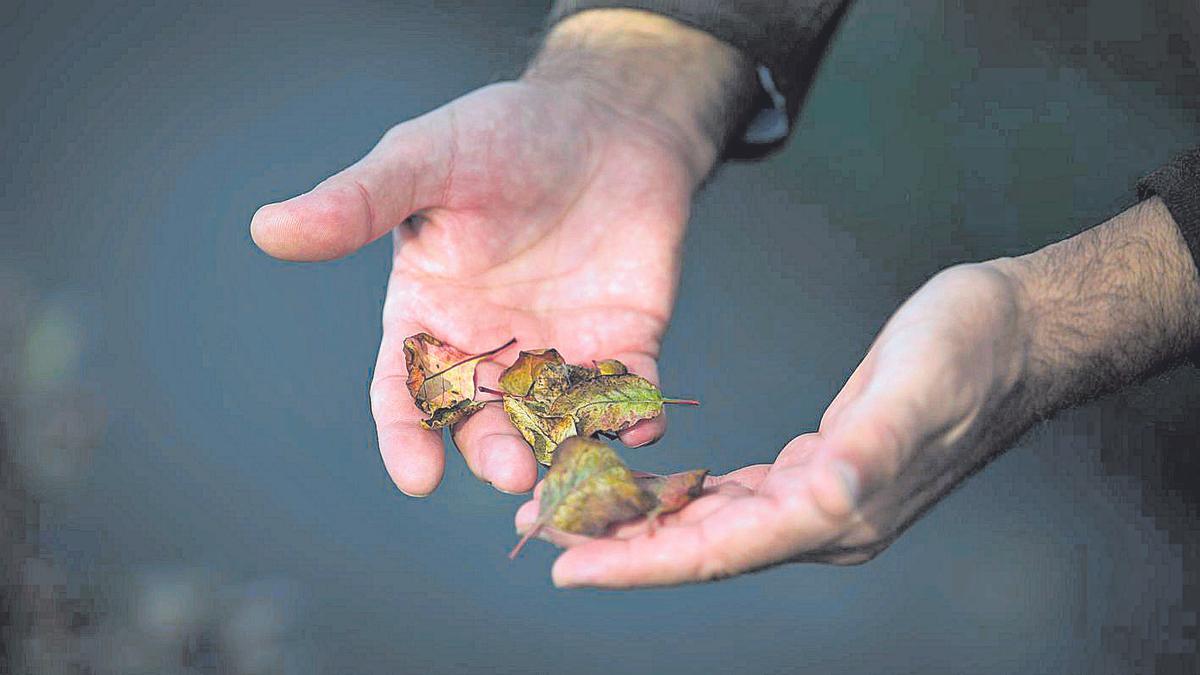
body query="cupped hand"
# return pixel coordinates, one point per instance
(520, 210)
(938, 394)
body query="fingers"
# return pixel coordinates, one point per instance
(746, 534)
(718, 491)
(413, 455)
(648, 431)
(404, 173)
(493, 449)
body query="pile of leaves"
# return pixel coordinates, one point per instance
(559, 408)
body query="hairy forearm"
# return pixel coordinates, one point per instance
(689, 85)
(1112, 305)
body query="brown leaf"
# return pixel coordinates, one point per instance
(441, 378)
(540, 376)
(577, 374)
(518, 378)
(587, 489)
(672, 492)
(611, 367)
(444, 417)
(611, 403)
(542, 433)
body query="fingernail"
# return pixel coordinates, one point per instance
(497, 488)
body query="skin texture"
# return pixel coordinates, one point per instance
(963, 368)
(549, 209)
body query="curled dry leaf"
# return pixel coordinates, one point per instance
(611, 367)
(672, 492)
(444, 417)
(611, 403)
(441, 379)
(542, 433)
(577, 374)
(540, 375)
(587, 489)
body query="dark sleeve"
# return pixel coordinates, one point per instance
(783, 38)
(1178, 184)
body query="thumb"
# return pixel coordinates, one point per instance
(405, 172)
(867, 445)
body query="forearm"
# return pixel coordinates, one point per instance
(691, 87)
(1112, 305)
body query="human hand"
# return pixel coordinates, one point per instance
(961, 370)
(550, 209)
(937, 395)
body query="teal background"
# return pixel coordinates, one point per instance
(234, 495)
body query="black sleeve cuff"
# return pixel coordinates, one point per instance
(1178, 185)
(784, 39)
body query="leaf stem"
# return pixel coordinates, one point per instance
(529, 534)
(476, 357)
(681, 401)
(497, 392)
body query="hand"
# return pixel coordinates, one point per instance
(936, 396)
(962, 369)
(550, 209)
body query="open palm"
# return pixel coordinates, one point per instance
(931, 402)
(517, 211)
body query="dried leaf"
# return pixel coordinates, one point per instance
(577, 374)
(587, 489)
(441, 378)
(540, 376)
(518, 378)
(672, 492)
(443, 417)
(611, 403)
(542, 433)
(611, 367)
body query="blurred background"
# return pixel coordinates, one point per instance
(189, 472)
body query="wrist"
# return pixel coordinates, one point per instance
(683, 84)
(1109, 306)
(1023, 375)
